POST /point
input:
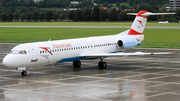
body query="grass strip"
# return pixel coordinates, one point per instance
(154, 38)
(83, 24)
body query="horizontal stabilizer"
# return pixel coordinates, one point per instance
(149, 13)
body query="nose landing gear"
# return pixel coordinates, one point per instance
(23, 69)
(23, 73)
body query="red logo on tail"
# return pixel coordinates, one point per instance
(140, 22)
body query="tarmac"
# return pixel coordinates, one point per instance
(132, 78)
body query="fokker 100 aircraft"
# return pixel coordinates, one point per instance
(50, 52)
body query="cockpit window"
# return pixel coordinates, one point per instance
(22, 52)
(17, 52)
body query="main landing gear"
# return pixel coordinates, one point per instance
(77, 64)
(102, 65)
(24, 73)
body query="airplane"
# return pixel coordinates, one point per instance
(163, 22)
(28, 55)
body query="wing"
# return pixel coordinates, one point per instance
(121, 54)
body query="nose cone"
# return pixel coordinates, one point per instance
(7, 61)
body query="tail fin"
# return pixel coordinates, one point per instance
(139, 23)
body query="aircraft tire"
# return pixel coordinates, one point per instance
(77, 64)
(102, 65)
(23, 73)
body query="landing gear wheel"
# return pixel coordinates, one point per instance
(102, 65)
(77, 64)
(23, 73)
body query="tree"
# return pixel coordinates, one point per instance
(87, 15)
(56, 16)
(63, 16)
(42, 16)
(104, 14)
(16, 15)
(85, 3)
(71, 15)
(178, 12)
(113, 15)
(30, 3)
(0, 16)
(122, 16)
(22, 17)
(110, 6)
(78, 15)
(29, 16)
(96, 13)
(10, 16)
(122, 7)
(117, 4)
(4, 16)
(105, 4)
(49, 15)
(35, 15)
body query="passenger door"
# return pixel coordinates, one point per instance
(34, 54)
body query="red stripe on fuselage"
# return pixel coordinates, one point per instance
(133, 32)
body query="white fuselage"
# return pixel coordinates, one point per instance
(50, 52)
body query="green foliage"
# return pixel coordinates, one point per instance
(16, 15)
(71, 15)
(49, 15)
(56, 16)
(85, 3)
(78, 15)
(87, 15)
(113, 15)
(147, 7)
(22, 17)
(117, 4)
(42, 16)
(123, 7)
(29, 16)
(0, 16)
(150, 2)
(35, 15)
(104, 15)
(105, 4)
(63, 16)
(4, 16)
(123, 16)
(10, 17)
(96, 14)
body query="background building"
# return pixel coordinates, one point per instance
(37, 0)
(174, 4)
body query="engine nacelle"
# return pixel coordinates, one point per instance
(128, 43)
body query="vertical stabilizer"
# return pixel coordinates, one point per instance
(139, 24)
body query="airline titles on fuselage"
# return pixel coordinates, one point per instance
(68, 47)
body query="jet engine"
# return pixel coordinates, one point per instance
(128, 43)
